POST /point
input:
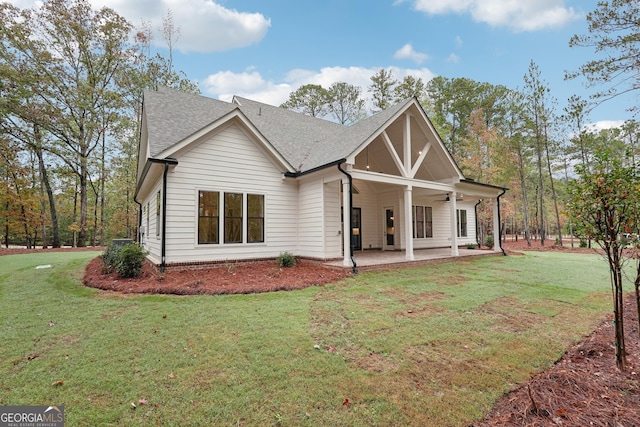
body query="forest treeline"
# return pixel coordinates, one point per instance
(71, 82)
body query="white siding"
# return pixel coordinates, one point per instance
(366, 200)
(151, 242)
(228, 161)
(332, 223)
(311, 219)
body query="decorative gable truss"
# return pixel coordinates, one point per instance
(407, 166)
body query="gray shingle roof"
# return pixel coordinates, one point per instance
(173, 115)
(304, 142)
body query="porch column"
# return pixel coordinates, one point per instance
(408, 223)
(346, 223)
(454, 224)
(496, 226)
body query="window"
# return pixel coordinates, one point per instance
(422, 222)
(146, 231)
(239, 225)
(255, 218)
(233, 217)
(208, 217)
(461, 216)
(158, 198)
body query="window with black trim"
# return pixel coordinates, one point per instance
(239, 225)
(255, 218)
(461, 217)
(233, 217)
(208, 216)
(158, 199)
(422, 222)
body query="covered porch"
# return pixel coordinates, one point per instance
(379, 259)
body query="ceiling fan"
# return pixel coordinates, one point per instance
(447, 198)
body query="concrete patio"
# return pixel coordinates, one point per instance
(380, 260)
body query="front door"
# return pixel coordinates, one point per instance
(389, 230)
(357, 229)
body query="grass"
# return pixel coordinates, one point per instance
(430, 346)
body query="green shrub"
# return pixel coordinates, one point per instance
(130, 259)
(286, 259)
(488, 241)
(110, 258)
(126, 260)
(471, 245)
(583, 243)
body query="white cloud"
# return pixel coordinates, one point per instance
(408, 52)
(604, 124)
(453, 58)
(519, 15)
(204, 25)
(250, 84)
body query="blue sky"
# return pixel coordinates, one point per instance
(266, 49)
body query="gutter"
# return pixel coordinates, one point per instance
(475, 212)
(504, 190)
(138, 236)
(353, 260)
(328, 165)
(163, 237)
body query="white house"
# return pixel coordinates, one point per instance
(221, 181)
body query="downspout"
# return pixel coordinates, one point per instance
(504, 190)
(350, 178)
(163, 238)
(475, 212)
(163, 248)
(138, 237)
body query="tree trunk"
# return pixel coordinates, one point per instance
(553, 188)
(55, 228)
(637, 286)
(103, 175)
(540, 192)
(6, 231)
(43, 215)
(82, 233)
(27, 237)
(525, 207)
(615, 267)
(75, 215)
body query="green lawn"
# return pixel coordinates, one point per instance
(429, 346)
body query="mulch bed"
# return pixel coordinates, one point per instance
(228, 278)
(584, 388)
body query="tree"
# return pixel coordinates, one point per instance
(381, 88)
(539, 106)
(74, 53)
(614, 31)
(171, 34)
(575, 115)
(515, 127)
(309, 99)
(451, 102)
(604, 205)
(345, 103)
(410, 87)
